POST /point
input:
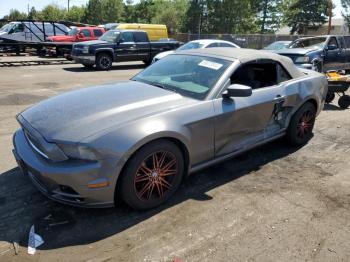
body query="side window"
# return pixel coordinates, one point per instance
(342, 43)
(18, 28)
(213, 45)
(333, 41)
(127, 37)
(86, 32)
(226, 45)
(140, 37)
(283, 74)
(256, 75)
(98, 32)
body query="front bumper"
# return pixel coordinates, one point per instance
(67, 181)
(84, 59)
(306, 66)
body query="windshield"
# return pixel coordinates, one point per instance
(188, 75)
(110, 36)
(73, 32)
(191, 45)
(277, 46)
(6, 28)
(309, 43)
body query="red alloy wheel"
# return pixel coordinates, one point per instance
(305, 123)
(155, 175)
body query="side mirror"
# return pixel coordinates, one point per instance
(331, 47)
(237, 90)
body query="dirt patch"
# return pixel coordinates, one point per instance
(20, 99)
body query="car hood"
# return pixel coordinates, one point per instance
(76, 115)
(294, 51)
(62, 38)
(94, 42)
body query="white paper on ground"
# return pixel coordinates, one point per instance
(34, 241)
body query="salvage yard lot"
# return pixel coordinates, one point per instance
(274, 203)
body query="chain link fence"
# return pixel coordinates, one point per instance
(253, 41)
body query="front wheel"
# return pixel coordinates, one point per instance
(301, 125)
(152, 175)
(104, 62)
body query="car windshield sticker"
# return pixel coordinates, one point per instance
(211, 65)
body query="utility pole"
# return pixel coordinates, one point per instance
(68, 5)
(330, 12)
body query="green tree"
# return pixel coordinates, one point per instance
(303, 14)
(145, 11)
(75, 14)
(171, 13)
(112, 10)
(268, 14)
(194, 16)
(230, 16)
(129, 12)
(52, 12)
(93, 12)
(15, 15)
(33, 14)
(346, 12)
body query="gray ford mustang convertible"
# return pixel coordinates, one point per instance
(138, 139)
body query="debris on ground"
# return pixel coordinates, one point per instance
(34, 241)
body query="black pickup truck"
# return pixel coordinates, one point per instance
(320, 53)
(119, 46)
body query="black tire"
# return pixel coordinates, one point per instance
(344, 101)
(330, 97)
(301, 125)
(142, 183)
(104, 61)
(89, 66)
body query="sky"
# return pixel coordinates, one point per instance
(22, 5)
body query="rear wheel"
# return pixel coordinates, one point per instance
(344, 101)
(152, 175)
(301, 125)
(104, 61)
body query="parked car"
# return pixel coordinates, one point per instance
(119, 46)
(138, 139)
(321, 53)
(31, 31)
(79, 34)
(197, 44)
(278, 45)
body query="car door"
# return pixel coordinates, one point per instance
(143, 46)
(244, 121)
(126, 49)
(332, 57)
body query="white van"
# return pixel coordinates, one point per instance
(31, 31)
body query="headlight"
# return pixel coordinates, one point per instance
(302, 59)
(85, 49)
(78, 152)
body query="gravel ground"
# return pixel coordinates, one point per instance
(274, 203)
